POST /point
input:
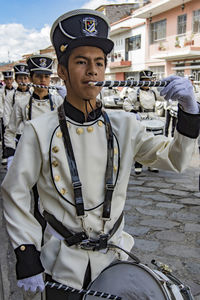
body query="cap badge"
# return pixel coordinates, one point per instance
(89, 26)
(43, 62)
(22, 68)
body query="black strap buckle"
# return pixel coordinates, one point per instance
(109, 187)
(95, 245)
(76, 185)
(76, 238)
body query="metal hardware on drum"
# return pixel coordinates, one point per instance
(129, 83)
(66, 288)
(38, 86)
(184, 289)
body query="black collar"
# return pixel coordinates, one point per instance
(20, 90)
(12, 88)
(78, 116)
(37, 97)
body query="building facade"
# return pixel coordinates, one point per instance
(170, 39)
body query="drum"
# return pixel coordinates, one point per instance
(135, 281)
(155, 126)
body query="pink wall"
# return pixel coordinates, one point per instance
(171, 33)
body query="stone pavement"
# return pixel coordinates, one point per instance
(162, 213)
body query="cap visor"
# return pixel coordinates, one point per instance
(46, 72)
(105, 44)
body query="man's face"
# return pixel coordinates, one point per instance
(8, 82)
(146, 79)
(40, 79)
(22, 79)
(85, 64)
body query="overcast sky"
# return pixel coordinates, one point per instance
(25, 25)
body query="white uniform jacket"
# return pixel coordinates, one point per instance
(40, 157)
(21, 114)
(140, 100)
(17, 97)
(4, 92)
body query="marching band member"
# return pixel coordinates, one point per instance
(7, 90)
(22, 93)
(81, 158)
(142, 100)
(32, 106)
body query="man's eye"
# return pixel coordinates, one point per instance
(100, 64)
(81, 62)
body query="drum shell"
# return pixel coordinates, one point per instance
(132, 281)
(155, 126)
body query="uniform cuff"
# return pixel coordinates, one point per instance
(188, 124)
(28, 261)
(9, 152)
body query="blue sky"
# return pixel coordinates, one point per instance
(25, 24)
(35, 13)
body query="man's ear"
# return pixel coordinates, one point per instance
(62, 72)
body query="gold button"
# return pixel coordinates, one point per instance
(100, 123)
(55, 149)
(63, 191)
(56, 177)
(22, 248)
(28, 106)
(68, 124)
(79, 130)
(55, 163)
(62, 48)
(115, 168)
(38, 104)
(59, 134)
(115, 151)
(90, 129)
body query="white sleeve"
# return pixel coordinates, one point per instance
(21, 177)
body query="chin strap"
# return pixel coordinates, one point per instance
(92, 113)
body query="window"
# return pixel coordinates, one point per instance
(181, 24)
(196, 21)
(159, 71)
(158, 31)
(134, 42)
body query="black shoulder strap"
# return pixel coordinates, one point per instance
(51, 102)
(138, 94)
(13, 100)
(109, 168)
(30, 108)
(154, 94)
(72, 163)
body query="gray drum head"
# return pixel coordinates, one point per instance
(130, 281)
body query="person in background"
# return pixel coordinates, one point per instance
(142, 100)
(7, 91)
(22, 93)
(81, 157)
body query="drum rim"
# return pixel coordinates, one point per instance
(144, 267)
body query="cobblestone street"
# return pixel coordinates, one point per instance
(162, 213)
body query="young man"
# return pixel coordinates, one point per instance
(7, 91)
(142, 100)
(22, 93)
(33, 105)
(81, 159)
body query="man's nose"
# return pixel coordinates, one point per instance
(92, 71)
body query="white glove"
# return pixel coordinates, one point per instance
(32, 283)
(9, 161)
(181, 89)
(62, 91)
